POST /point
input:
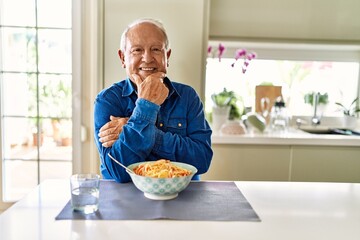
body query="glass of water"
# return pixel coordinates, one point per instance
(85, 192)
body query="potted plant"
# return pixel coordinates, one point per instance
(37, 132)
(226, 107)
(353, 108)
(309, 98)
(228, 99)
(56, 101)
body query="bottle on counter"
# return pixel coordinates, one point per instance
(279, 117)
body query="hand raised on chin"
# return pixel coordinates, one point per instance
(152, 87)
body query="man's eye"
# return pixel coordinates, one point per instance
(156, 50)
(136, 50)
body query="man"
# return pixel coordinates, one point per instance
(150, 116)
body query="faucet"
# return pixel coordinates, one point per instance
(315, 119)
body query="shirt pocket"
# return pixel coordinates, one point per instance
(177, 126)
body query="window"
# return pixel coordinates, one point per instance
(299, 69)
(36, 87)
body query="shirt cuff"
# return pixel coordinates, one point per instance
(146, 110)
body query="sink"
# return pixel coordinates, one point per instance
(315, 129)
(328, 125)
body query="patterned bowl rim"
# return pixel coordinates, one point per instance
(179, 164)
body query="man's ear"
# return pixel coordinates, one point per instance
(168, 53)
(122, 58)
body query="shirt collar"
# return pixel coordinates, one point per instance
(129, 88)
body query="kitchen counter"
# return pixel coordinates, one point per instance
(288, 210)
(292, 137)
(292, 156)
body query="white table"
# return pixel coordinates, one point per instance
(288, 210)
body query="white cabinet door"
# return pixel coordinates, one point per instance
(325, 164)
(236, 162)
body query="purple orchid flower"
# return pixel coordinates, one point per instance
(221, 51)
(240, 53)
(251, 55)
(246, 56)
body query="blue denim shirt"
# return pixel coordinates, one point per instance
(177, 130)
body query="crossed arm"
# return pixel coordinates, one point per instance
(152, 89)
(110, 132)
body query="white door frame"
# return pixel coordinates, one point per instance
(87, 80)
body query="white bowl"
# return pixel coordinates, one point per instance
(162, 188)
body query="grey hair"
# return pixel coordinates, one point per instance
(155, 22)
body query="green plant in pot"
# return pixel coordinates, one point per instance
(229, 98)
(353, 108)
(309, 98)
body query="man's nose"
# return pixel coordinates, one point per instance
(147, 56)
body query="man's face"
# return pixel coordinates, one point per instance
(145, 51)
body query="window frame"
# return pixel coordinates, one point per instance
(294, 51)
(3, 204)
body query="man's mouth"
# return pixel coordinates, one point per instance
(147, 69)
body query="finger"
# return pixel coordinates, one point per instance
(162, 76)
(165, 90)
(105, 127)
(118, 129)
(107, 132)
(112, 118)
(109, 125)
(120, 124)
(107, 138)
(137, 79)
(124, 121)
(159, 74)
(103, 131)
(108, 144)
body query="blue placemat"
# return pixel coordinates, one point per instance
(204, 201)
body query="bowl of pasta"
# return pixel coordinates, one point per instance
(161, 179)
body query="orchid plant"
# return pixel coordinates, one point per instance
(246, 56)
(219, 51)
(243, 54)
(229, 98)
(352, 110)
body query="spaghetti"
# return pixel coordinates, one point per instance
(161, 169)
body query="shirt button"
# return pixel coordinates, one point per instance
(179, 125)
(161, 124)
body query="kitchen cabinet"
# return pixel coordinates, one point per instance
(284, 162)
(249, 162)
(325, 164)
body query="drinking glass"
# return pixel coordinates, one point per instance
(85, 192)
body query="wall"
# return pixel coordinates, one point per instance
(186, 24)
(295, 20)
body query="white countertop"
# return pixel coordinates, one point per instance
(288, 210)
(292, 137)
